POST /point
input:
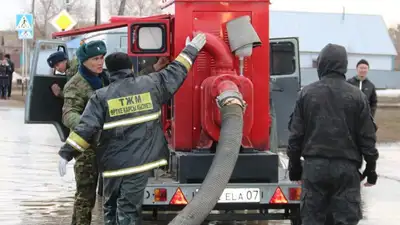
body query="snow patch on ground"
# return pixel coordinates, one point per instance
(388, 93)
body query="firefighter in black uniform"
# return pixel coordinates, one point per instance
(332, 129)
(132, 143)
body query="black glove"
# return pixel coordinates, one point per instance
(67, 152)
(370, 173)
(295, 170)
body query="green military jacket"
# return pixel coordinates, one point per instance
(76, 94)
(72, 70)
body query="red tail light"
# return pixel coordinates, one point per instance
(160, 195)
(178, 198)
(295, 193)
(278, 197)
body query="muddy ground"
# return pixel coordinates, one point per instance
(388, 121)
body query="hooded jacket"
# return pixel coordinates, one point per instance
(332, 118)
(127, 112)
(368, 88)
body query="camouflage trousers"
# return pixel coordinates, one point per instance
(123, 199)
(331, 190)
(86, 176)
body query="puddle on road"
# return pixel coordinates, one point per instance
(31, 191)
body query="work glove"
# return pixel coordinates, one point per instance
(66, 154)
(370, 173)
(198, 41)
(295, 170)
(62, 166)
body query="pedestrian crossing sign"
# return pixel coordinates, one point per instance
(25, 34)
(24, 22)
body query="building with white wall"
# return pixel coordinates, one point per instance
(363, 36)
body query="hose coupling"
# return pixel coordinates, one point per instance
(230, 97)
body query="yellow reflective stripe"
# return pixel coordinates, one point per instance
(136, 169)
(185, 60)
(77, 142)
(132, 121)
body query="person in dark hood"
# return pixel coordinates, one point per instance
(362, 82)
(332, 129)
(132, 142)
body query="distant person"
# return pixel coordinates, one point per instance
(365, 85)
(4, 78)
(332, 128)
(10, 73)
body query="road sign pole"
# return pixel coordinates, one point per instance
(23, 66)
(24, 26)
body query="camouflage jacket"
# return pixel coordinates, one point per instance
(72, 70)
(76, 94)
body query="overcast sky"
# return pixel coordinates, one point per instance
(389, 9)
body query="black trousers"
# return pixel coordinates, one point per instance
(123, 199)
(330, 188)
(10, 85)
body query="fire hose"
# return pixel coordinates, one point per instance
(222, 166)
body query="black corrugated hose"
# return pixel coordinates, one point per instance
(220, 171)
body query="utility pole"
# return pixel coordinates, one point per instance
(67, 6)
(122, 8)
(97, 16)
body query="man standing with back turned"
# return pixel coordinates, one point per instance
(332, 128)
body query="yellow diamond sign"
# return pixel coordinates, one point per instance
(63, 21)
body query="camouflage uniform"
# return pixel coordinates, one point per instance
(77, 92)
(71, 71)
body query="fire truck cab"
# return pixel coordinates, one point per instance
(259, 188)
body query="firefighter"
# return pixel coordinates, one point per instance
(132, 141)
(332, 129)
(77, 91)
(58, 61)
(362, 82)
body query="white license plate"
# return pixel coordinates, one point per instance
(236, 195)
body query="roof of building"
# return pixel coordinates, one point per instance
(360, 34)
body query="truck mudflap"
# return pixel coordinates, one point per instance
(163, 199)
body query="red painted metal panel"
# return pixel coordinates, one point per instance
(211, 17)
(85, 30)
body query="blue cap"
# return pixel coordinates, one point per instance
(56, 57)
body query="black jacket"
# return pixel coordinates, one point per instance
(332, 118)
(368, 88)
(127, 113)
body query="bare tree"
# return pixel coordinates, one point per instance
(143, 7)
(45, 10)
(395, 35)
(133, 7)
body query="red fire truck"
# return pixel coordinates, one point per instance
(267, 75)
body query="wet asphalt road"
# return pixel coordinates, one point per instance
(32, 193)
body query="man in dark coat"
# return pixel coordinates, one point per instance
(10, 73)
(333, 130)
(365, 85)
